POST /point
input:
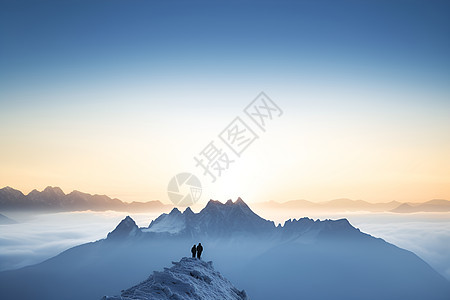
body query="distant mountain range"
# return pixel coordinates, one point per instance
(53, 199)
(303, 258)
(348, 205)
(436, 205)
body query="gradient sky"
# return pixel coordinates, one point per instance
(116, 97)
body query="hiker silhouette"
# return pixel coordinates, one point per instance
(199, 250)
(193, 250)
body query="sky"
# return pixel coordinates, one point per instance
(117, 97)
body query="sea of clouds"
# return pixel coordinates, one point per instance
(425, 234)
(37, 238)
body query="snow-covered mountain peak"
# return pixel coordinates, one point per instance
(126, 228)
(214, 205)
(216, 219)
(172, 223)
(190, 278)
(219, 219)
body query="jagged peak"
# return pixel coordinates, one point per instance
(127, 222)
(238, 205)
(175, 211)
(188, 211)
(56, 190)
(127, 227)
(212, 205)
(301, 220)
(214, 202)
(229, 202)
(240, 202)
(128, 219)
(8, 188)
(337, 224)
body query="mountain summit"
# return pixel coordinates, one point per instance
(126, 228)
(190, 278)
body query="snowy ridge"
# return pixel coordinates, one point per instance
(190, 278)
(215, 220)
(174, 222)
(231, 219)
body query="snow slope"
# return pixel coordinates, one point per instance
(190, 278)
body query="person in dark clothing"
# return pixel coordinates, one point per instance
(193, 250)
(199, 250)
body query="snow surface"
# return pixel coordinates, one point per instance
(190, 278)
(172, 223)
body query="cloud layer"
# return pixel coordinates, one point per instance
(38, 238)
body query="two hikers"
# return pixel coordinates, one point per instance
(197, 250)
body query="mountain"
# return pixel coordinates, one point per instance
(336, 205)
(190, 278)
(215, 220)
(126, 228)
(436, 205)
(348, 205)
(53, 199)
(10, 197)
(314, 259)
(5, 220)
